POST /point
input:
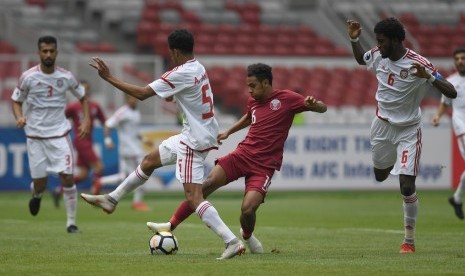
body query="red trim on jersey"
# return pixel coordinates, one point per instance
(168, 82)
(377, 115)
(51, 137)
(418, 153)
(416, 57)
(201, 151)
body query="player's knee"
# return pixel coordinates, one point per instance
(381, 174)
(407, 185)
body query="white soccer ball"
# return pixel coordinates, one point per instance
(163, 243)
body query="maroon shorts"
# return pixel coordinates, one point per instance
(236, 165)
(85, 154)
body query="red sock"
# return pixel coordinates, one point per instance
(182, 213)
(246, 233)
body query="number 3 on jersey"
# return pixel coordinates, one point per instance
(207, 99)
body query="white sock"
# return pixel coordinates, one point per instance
(212, 219)
(459, 192)
(134, 180)
(410, 205)
(138, 195)
(70, 199)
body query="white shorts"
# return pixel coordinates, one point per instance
(398, 146)
(189, 162)
(50, 156)
(461, 143)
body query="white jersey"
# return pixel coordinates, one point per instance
(399, 92)
(126, 120)
(189, 85)
(458, 104)
(45, 95)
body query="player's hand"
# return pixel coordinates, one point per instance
(435, 120)
(21, 122)
(108, 143)
(310, 102)
(222, 136)
(101, 66)
(353, 28)
(84, 129)
(419, 71)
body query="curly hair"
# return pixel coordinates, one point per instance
(391, 28)
(183, 40)
(260, 71)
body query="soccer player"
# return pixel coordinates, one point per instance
(270, 114)
(43, 87)
(188, 84)
(458, 121)
(87, 159)
(404, 77)
(127, 120)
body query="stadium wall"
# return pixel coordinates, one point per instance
(317, 157)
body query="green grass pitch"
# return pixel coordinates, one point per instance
(304, 233)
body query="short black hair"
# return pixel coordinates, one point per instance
(183, 40)
(47, 39)
(261, 72)
(459, 50)
(391, 28)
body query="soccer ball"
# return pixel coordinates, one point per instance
(163, 243)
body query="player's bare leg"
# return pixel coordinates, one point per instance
(382, 174)
(137, 178)
(250, 204)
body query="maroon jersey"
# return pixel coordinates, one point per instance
(271, 121)
(74, 112)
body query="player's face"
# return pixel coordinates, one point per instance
(459, 61)
(385, 45)
(48, 53)
(256, 88)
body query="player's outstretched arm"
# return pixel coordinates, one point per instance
(315, 105)
(242, 123)
(138, 92)
(354, 30)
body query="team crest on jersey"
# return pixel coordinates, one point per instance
(60, 83)
(404, 73)
(275, 104)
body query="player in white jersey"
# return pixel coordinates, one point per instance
(43, 88)
(127, 120)
(458, 121)
(189, 86)
(403, 79)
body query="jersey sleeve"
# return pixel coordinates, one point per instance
(76, 87)
(372, 59)
(116, 118)
(21, 90)
(170, 83)
(296, 102)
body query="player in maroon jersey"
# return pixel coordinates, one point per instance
(270, 113)
(87, 159)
